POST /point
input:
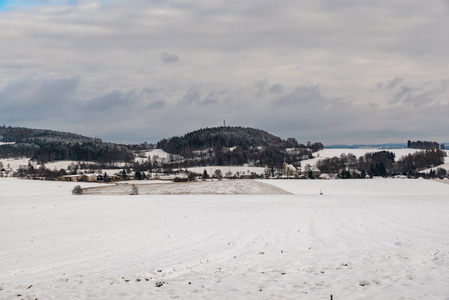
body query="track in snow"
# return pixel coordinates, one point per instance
(223, 246)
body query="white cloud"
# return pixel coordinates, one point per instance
(329, 69)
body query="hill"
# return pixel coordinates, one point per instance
(235, 146)
(48, 145)
(28, 135)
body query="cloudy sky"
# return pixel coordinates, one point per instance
(346, 71)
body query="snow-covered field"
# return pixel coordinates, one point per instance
(14, 163)
(329, 153)
(224, 187)
(242, 170)
(381, 187)
(361, 239)
(159, 153)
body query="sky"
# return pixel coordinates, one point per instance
(336, 72)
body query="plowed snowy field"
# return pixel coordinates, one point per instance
(224, 187)
(361, 239)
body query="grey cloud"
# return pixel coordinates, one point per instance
(107, 101)
(403, 93)
(342, 50)
(393, 83)
(35, 99)
(168, 58)
(276, 88)
(428, 96)
(302, 112)
(261, 84)
(209, 101)
(426, 93)
(148, 92)
(192, 95)
(157, 104)
(31, 91)
(301, 95)
(213, 97)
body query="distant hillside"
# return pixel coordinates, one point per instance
(23, 135)
(48, 145)
(235, 146)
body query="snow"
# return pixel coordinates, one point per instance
(60, 164)
(55, 165)
(329, 153)
(161, 154)
(14, 163)
(243, 170)
(211, 187)
(362, 151)
(387, 241)
(363, 187)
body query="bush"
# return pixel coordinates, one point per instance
(218, 174)
(191, 176)
(134, 190)
(77, 190)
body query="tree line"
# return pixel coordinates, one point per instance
(424, 145)
(47, 145)
(382, 163)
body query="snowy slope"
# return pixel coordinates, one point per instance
(156, 153)
(364, 187)
(376, 246)
(14, 163)
(243, 170)
(329, 153)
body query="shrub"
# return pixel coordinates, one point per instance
(191, 176)
(77, 190)
(134, 190)
(218, 174)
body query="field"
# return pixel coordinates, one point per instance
(225, 187)
(329, 153)
(360, 239)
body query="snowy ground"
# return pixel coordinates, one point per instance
(243, 170)
(389, 242)
(14, 163)
(329, 153)
(148, 155)
(224, 187)
(381, 187)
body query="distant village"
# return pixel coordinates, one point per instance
(207, 154)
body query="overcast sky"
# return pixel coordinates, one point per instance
(346, 71)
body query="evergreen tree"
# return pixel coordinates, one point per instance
(205, 176)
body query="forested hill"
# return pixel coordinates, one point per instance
(23, 135)
(236, 145)
(48, 145)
